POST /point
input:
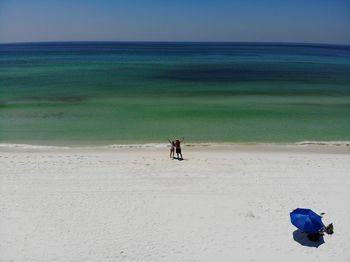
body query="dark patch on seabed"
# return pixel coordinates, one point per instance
(63, 99)
(46, 99)
(265, 92)
(239, 73)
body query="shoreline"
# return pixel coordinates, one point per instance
(166, 145)
(306, 147)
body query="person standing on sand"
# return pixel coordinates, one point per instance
(172, 148)
(178, 147)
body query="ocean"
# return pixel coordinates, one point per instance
(97, 93)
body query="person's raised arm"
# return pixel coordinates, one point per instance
(169, 140)
(182, 139)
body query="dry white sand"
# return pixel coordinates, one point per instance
(222, 203)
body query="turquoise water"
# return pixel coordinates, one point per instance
(105, 93)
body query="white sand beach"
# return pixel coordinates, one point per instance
(222, 203)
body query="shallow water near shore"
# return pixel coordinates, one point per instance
(113, 93)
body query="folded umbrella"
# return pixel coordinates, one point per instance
(306, 220)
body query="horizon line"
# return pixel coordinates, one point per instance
(169, 41)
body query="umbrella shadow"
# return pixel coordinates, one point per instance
(303, 240)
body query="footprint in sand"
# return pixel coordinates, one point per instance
(250, 214)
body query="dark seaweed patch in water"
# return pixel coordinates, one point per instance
(235, 73)
(59, 115)
(45, 99)
(272, 92)
(59, 99)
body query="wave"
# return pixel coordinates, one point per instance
(324, 143)
(27, 146)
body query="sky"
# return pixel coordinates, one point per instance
(301, 21)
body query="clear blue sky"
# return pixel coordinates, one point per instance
(310, 21)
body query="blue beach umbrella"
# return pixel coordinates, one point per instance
(306, 220)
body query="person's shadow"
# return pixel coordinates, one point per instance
(178, 158)
(303, 240)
